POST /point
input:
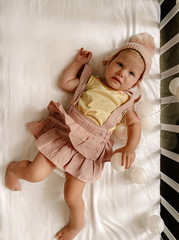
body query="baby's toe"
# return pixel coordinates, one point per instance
(58, 235)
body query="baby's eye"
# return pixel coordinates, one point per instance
(120, 64)
(131, 73)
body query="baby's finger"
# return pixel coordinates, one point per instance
(81, 51)
(127, 163)
(89, 55)
(123, 160)
(85, 52)
(130, 162)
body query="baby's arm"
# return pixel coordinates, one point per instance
(69, 80)
(134, 133)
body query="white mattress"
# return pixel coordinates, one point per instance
(38, 39)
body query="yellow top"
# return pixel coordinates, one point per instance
(98, 100)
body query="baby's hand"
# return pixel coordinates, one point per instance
(83, 56)
(128, 156)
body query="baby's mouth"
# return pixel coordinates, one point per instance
(117, 79)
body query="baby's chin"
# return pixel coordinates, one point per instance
(114, 85)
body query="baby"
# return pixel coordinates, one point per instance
(79, 141)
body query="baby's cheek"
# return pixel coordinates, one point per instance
(110, 70)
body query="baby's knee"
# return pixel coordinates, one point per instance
(72, 199)
(35, 175)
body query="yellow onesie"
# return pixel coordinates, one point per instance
(98, 100)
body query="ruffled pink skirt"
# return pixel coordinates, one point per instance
(73, 142)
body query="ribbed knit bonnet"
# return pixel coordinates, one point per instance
(143, 43)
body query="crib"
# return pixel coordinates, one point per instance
(39, 38)
(169, 119)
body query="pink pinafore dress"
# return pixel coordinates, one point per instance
(73, 142)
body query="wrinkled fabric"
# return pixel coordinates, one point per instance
(38, 40)
(73, 142)
(99, 100)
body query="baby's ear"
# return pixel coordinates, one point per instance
(105, 62)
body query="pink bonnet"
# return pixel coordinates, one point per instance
(143, 43)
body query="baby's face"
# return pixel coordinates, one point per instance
(124, 71)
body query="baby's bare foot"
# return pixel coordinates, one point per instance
(67, 233)
(11, 182)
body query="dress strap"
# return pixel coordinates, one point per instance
(85, 75)
(140, 92)
(113, 118)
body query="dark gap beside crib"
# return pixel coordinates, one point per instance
(169, 167)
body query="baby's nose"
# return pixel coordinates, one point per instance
(121, 72)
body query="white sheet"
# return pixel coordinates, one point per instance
(38, 39)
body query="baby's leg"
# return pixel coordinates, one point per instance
(34, 171)
(73, 191)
